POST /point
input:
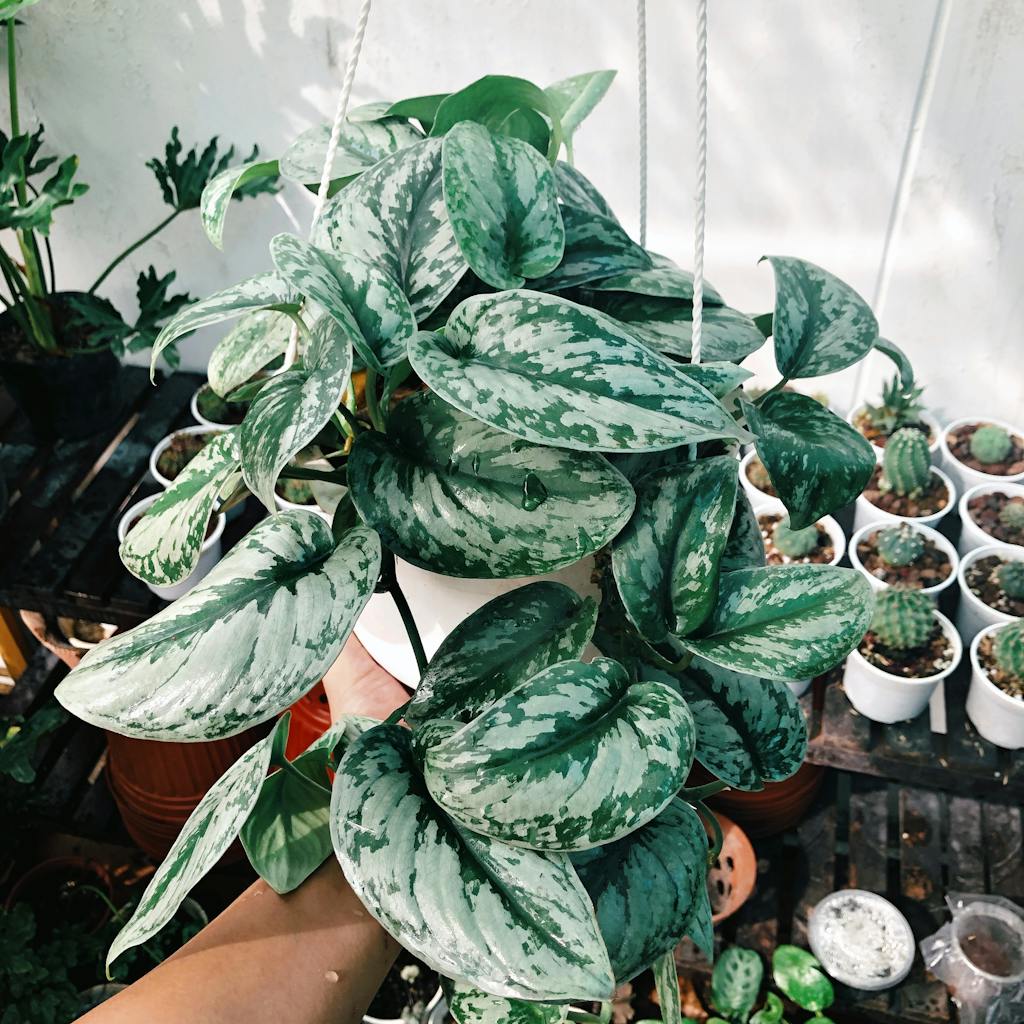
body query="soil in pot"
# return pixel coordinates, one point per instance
(927, 503)
(183, 448)
(928, 660)
(298, 492)
(822, 554)
(929, 569)
(758, 476)
(862, 421)
(217, 410)
(406, 990)
(985, 510)
(982, 580)
(1011, 685)
(959, 443)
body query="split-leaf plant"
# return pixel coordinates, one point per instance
(528, 831)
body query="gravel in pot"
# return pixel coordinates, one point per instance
(985, 579)
(821, 552)
(930, 567)
(934, 498)
(959, 439)
(999, 515)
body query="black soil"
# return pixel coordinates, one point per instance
(959, 443)
(984, 509)
(822, 554)
(934, 657)
(930, 501)
(983, 582)
(931, 568)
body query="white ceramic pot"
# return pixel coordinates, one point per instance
(998, 717)
(158, 450)
(756, 495)
(964, 476)
(864, 513)
(209, 554)
(942, 543)
(973, 615)
(971, 534)
(926, 417)
(200, 418)
(438, 604)
(887, 698)
(772, 507)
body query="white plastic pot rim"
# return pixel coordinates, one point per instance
(943, 543)
(958, 652)
(159, 447)
(1010, 703)
(964, 421)
(988, 551)
(931, 517)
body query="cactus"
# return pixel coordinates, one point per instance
(1010, 577)
(1008, 649)
(900, 545)
(899, 408)
(904, 619)
(990, 444)
(1011, 515)
(794, 543)
(906, 465)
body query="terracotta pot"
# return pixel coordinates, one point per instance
(311, 718)
(732, 877)
(44, 885)
(777, 807)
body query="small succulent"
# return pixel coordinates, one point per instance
(1010, 577)
(1008, 649)
(900, 545)
(898, 408)
(904, 619)
(1011, 515)
(990, 443)
(906, 465)
(794, 543)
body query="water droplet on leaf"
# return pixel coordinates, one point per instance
(534, 492)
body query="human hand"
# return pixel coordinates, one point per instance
(357, 685)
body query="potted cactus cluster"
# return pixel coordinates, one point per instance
(908, 555)
(995, 700)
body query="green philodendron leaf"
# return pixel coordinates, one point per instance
(736, 982)
(771, 1012)
(468, 1005)
(456, 496)
(394, 218)
(163, 547)
(550, 371)
(899, 358)
(575, 189)
(799, 975)
(293, 407)
(574, 98)
(821, 324)
(720, 377)
(265, 291)
(650, 889)
(502, 206)
(666, 983)
(749, 730)
(570, 759)
(362, 144)
(210, 829)
(258, 339)
(365, 302)
(250, 639)
(219, 189)
(817, 462)
(786, 622)
(745, 547)
(666, 560)
(529, 127)
(664, 279)
(516, 923)
(504, 643)
(595, 247)
(419, 108)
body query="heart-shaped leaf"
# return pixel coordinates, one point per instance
(502, 206)
(664, 279)
(574, 99)
(650, 889)
(774, 1011)
(745, 547)
(244, 644)
(258, 339)
(501, 645)
(666, 560)
(293, 407)
(576, 189)
(736, 982)
(469, 1005)
(163, 547)
(549, 371)
(821, 324)
(817, 462)
(600, 758)
(393, 217)
(787, 622)
(799, 975)
(219, 189)
(509, 508)
(515, 922)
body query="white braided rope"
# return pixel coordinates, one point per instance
(702, 180)
(641, 61)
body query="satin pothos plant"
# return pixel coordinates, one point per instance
(527, 400)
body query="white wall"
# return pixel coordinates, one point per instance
(812, 105)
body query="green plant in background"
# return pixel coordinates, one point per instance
(906, 464)
(900, 545)
(1008, 649)
(900, 407)
(1011, 515)
(794, 543)
(552, 415)
(1010, 577)
(19, 738)
(903, 619)
(990, 443)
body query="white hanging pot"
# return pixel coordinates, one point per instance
(934, 429)
(971, 534)
(998, 717)
(865, 513)
(942, 543)
(886, 698)
(967, 477)
(973, 615)
(438, 604)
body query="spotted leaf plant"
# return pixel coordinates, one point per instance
(500, 377)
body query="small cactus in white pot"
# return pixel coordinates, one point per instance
(995, 700)
(991, 514)
(991, 589)
(982, 451)
(905, 554)
(823, 542)
(900, 407)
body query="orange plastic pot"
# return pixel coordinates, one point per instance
(733, 875)
(311, 718)
(776, 808)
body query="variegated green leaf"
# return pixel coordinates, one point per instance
(502, 206)
(666, 561)
(666, 983)
(749, 731)
(362, 144)
(573, 758)
(550, 371)
(468, 1005)
(394, 218)
(574, 99)
(595, 247)
(419, 108)
(164, 545)
(265, 291)
(219, 189)
(720, 378)
(210, 829)
(821, 324)
(736, 982)
(501, 645)
(292, 408)
(817, 462)
(454, 495)
(900, 360)
(575, 189)
(745, 547)
(509, 921)
(244, 644)
(664, 279)
(255, 341)
(650, 889)
(366, 303)
(788, 622)
(799, 975)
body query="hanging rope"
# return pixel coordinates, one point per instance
(702, 179)
(641, 61)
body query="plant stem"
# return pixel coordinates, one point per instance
(716, 830)
(301, 473)
(771, 391)
(372, 406)
(703, 792)
(131, 248)
(350, 417)
(389, 581)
